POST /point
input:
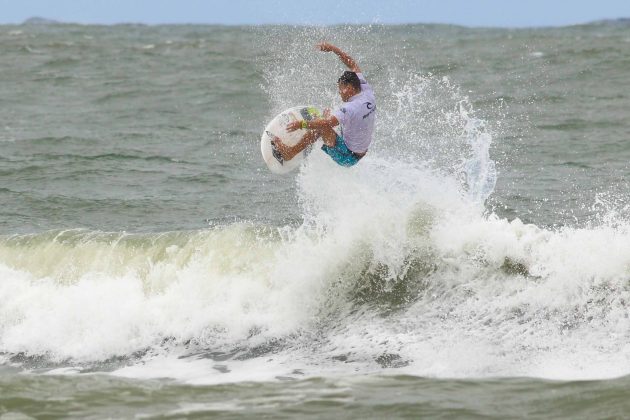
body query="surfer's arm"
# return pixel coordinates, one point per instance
(318, 124)
(345, 58)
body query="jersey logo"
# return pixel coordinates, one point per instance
(371, 107)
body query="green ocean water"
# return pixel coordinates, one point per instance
(476, 264)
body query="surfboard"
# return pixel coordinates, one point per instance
(277, 127)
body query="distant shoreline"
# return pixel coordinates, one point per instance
(40, 21)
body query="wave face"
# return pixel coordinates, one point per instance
(413, 262)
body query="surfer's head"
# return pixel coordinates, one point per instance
(349, 85)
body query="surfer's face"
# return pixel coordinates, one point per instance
(346, 91)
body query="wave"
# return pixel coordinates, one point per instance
(392, 268)
(90, 296)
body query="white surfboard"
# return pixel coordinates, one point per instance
(278, 128)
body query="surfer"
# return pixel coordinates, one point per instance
(356, 117)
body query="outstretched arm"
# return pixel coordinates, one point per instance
(345, 58)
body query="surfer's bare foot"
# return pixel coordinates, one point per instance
(285, 151)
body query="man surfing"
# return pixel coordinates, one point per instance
(356, 116)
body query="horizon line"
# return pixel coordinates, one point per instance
(40, 21)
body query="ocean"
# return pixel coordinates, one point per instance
(475, 264)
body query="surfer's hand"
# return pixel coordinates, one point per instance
(293, 126)
(326, 47)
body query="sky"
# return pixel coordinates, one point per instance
(500, 13)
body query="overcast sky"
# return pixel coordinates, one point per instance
(504, 13)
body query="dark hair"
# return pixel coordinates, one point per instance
(350, 78)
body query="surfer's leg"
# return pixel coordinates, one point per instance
(289, 152)
(329, 136)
